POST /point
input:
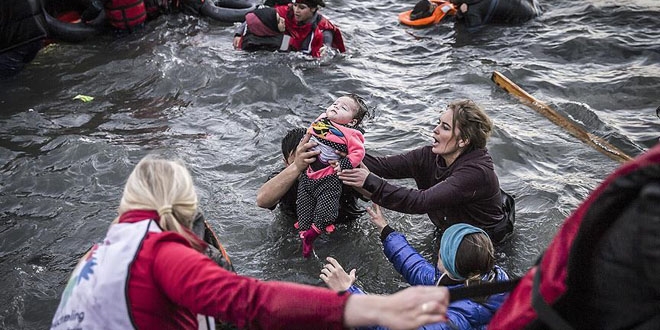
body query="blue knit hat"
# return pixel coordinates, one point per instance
(449, 243)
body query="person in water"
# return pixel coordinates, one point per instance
(149, 273)
(311, 33)
(23, 30)
(281, 188)
(455, 177)
(422, 9)
(474, 14)
(263, 30)
(335, 130)
(466, 258)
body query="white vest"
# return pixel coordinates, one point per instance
(96, 295)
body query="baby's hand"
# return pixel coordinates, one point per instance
(335, 165)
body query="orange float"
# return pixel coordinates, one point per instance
(442, 8)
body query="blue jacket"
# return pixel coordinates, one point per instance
(462, 314)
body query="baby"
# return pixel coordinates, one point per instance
(337, 129)
(263, 30)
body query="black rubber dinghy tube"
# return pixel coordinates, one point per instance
(73, 32)
(228, 11)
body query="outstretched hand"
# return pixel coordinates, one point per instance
(377, 217)
(354, 177)
(335, 277)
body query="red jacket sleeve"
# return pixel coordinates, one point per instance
(195, 282)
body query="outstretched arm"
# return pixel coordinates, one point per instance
(335, 277)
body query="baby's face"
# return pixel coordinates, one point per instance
(343, 111)
(280, 23)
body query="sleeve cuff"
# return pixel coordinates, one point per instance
(372, 182)
(387, 230)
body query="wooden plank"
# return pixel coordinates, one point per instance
(575, 130)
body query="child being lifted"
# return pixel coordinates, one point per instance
(319, 190)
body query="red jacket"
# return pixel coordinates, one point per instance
(569, 260)
(170, 283)
(299, 33)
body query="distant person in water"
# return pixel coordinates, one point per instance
(311, 32)
(422, 9)
(23, 31)
(263, 30)
(307, 30)
(474, 14)
(335, 130)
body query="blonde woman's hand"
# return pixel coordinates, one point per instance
(335, 277)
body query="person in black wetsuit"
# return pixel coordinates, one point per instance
(22, 32)
(474, 14)
(282, 186)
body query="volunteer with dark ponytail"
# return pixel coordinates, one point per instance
(148, 273)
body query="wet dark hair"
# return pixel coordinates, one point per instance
(422, 9)
(363, 110)
(291, 140)
(473, 123)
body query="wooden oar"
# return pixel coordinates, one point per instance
(575, 130)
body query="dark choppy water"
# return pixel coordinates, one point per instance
(179, 88)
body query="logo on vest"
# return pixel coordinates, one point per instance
(86, 270)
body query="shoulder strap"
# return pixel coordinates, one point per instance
(481, 290)
(544, 311)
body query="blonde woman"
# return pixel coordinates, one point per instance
(148, 273)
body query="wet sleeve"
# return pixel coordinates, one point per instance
(408, 262)
(328, 35)
(393, 167)
(193, 281)
(240, 30)
(458, 189)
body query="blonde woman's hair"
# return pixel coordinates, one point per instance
(166, 187)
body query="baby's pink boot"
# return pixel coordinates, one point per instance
(308, 236)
